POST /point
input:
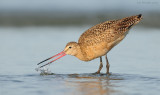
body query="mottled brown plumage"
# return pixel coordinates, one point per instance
(100, 39)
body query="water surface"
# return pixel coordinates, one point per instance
(134, 63)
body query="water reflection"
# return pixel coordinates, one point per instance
(90, 84)
(87, 83)
(97, 87)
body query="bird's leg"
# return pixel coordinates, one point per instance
(107, 64)
(100, 66)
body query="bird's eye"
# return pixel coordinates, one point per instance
(70, 47)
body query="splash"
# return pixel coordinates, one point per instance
(44, 71)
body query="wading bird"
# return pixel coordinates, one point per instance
(98, 41)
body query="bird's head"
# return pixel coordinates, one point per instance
(71, 48)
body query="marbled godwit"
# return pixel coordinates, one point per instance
(98, 41)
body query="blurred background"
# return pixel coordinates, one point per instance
(75, 12)
(33, 30)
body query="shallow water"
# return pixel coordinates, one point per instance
(134, 63)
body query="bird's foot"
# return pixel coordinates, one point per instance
(97, 72)
(108, 73)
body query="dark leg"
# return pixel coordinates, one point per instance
(107, 65)
(100, 66)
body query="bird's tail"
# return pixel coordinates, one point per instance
(128, 22)
(123, 25)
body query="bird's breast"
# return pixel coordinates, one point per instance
(94, 51)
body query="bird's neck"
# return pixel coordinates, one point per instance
(80, 54)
